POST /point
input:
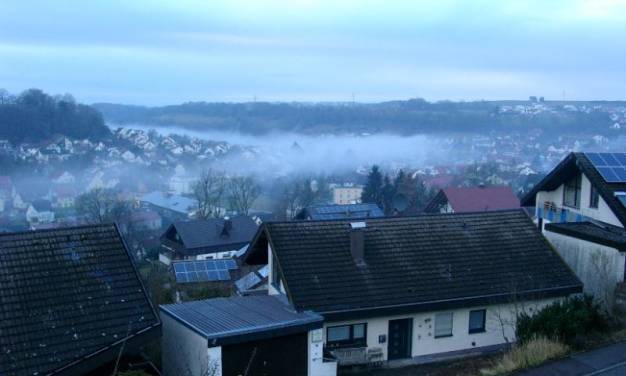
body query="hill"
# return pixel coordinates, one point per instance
(399, 117)
(34, 116)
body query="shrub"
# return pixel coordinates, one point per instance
(528, 354)
(566, 321)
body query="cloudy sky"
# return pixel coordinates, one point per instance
(165, 52)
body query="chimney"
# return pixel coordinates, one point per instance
(357, 242)
(228, 225)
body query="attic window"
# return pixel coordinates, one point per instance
(571, 192)
(594, 197)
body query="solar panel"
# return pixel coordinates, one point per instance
(203, 270)
(612, 166)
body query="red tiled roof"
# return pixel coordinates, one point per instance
(472, 199)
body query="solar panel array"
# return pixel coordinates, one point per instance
(612, 166)
(203, 270)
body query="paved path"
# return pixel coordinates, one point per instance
(605, 361)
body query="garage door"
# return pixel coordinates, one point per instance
(285, 355)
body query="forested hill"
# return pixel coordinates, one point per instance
(35, 116)
(400, 117)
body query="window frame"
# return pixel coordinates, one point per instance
(451, 313)
(351, 342)
(594, 197)
(576, 184)
(483, 328)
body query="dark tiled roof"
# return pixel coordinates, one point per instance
(240, 319)
(601, 233)
(207, 234)
(423, 262)
(568, 168)
(475, 199)
(66, 294)
(354, 211)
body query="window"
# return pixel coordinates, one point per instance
(594, 197)
(346, 335)
(443, 324)
(477, 321)
(571, 192)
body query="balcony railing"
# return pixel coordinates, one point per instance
(357, 355)
(555, 214)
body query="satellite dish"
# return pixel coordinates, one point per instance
(400, 202)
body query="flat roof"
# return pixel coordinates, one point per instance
(243, 318)
(600, 233)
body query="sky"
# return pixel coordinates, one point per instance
(161, 52)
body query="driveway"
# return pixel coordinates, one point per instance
(605, 361)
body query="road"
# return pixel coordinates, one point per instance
(605, 361)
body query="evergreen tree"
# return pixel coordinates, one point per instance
(373, 190)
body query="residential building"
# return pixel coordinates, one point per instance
(170, 207)
(71, 300)
(347, 194)
(40, 211)
(228, 336)
(7, 192)
(473, 199)
(580, 207)
(206, 239)
(422, 287)
(354, 211)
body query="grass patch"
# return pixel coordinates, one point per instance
(528, 354)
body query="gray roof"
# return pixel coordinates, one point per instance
(207, 234)
(421, 263)
(241, 319)
(66, 296)
(353, 211)
(179, 204)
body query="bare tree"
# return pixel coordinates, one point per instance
(100, 206)
(242, 191)
(209, 191)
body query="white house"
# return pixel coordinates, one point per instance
(422, 288)
(580, 207)
(206, 239)
(40, 211)
(347, 194)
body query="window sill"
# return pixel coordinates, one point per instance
(477, 331)
(444, 336)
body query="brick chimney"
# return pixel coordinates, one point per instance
(357, 242)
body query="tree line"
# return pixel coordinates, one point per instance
(34, 116)
(415, 116)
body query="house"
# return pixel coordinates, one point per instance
(422, 287)
(472, 199)
(228, 336)
(354, 211)
(580, 207)
(62, 177)
(146, 220)
(71, 301)
(63, 195)
(347, 194)
(40, 211)
(170, 207)
(206, 238)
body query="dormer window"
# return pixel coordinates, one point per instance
(571, 192)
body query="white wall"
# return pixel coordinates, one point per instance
(599, 267)
(184, 352)
(602, 213)
(498, 317)
(214, 355)
(316, 365)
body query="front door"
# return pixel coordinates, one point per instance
(399, 346)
